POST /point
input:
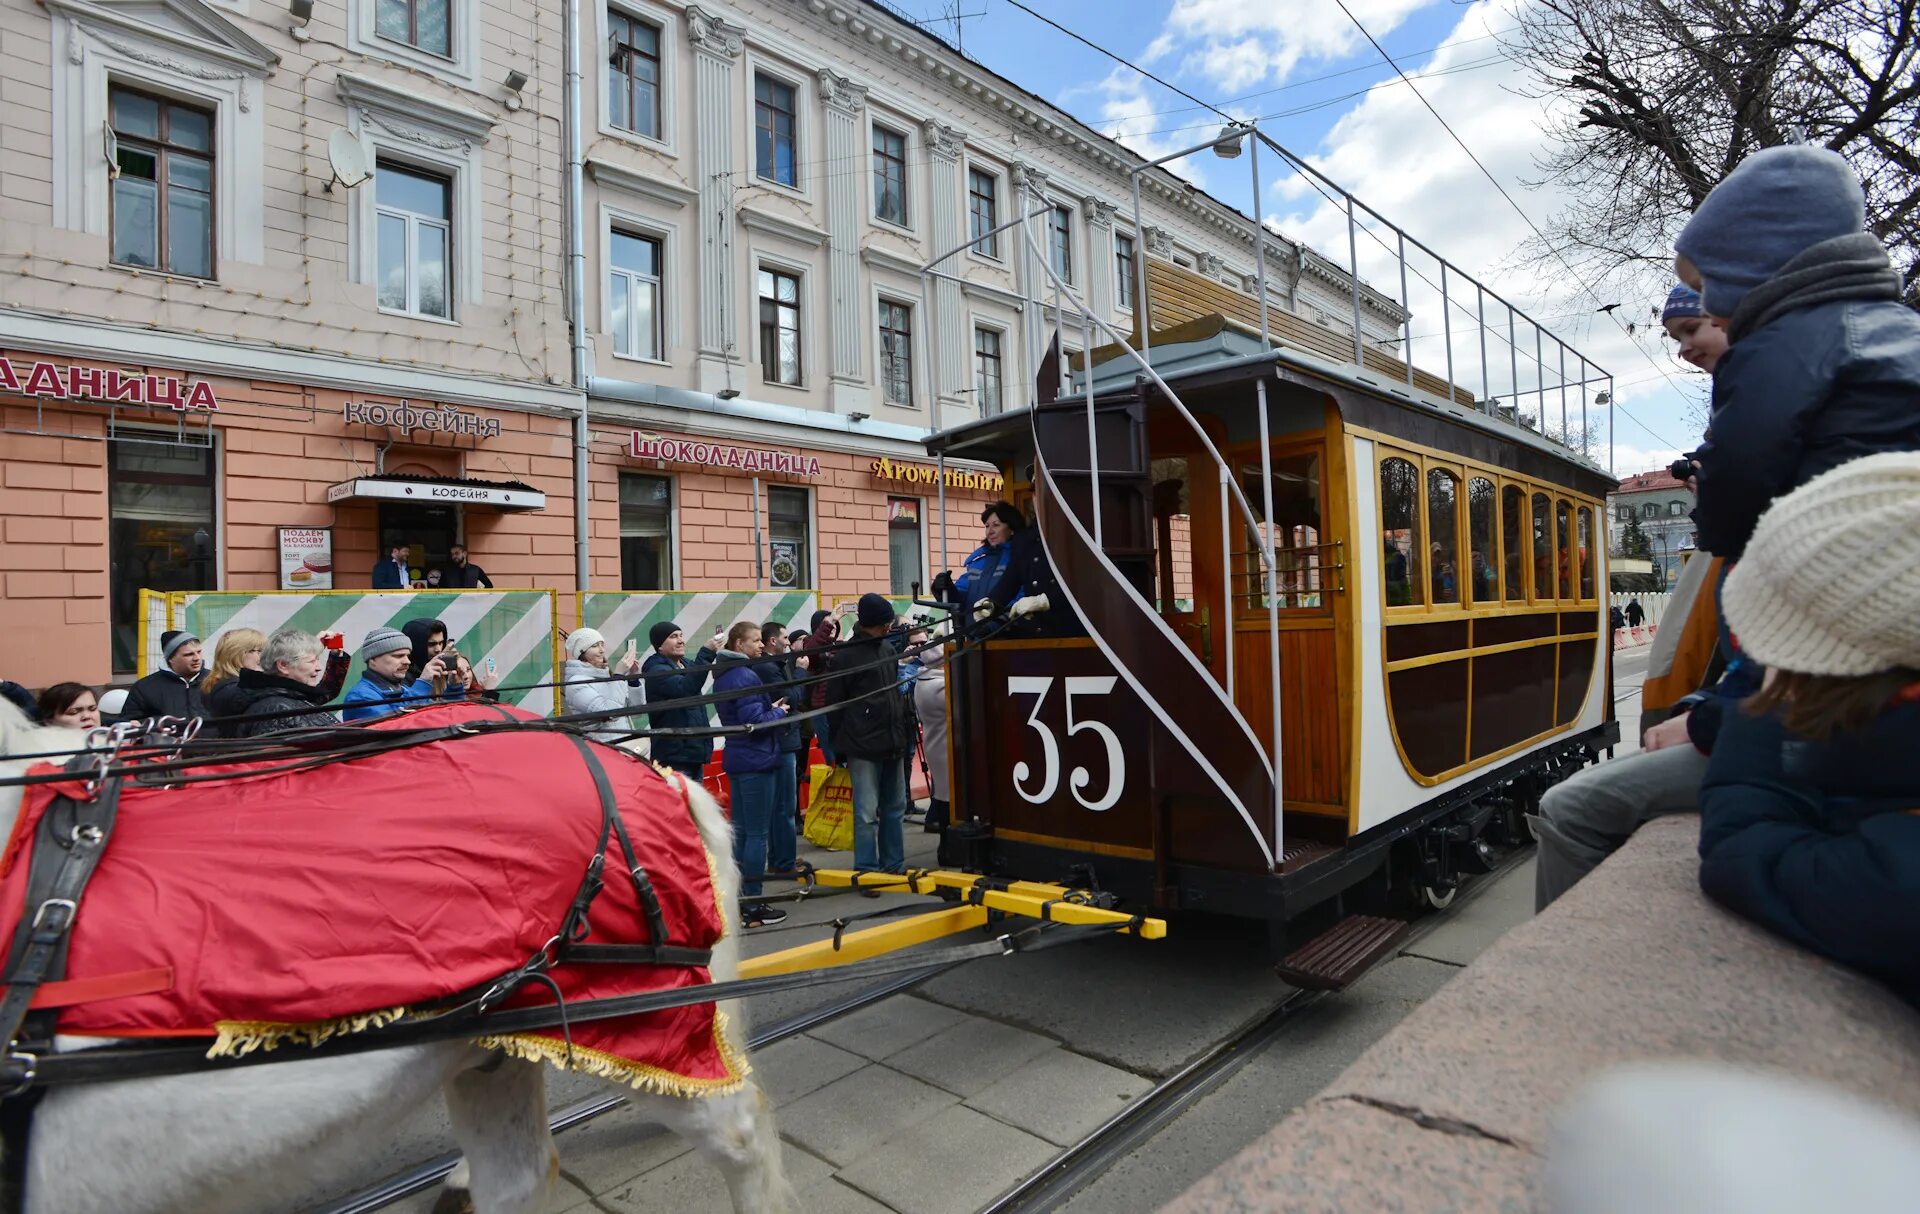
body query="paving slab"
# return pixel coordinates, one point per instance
(883, 1029)
(1464, 932)
(790, 1069)
(850, 1116)
(1060, 1096)
(831, 1197)
(952, 1163)
(971, 1055)
(691, 1185)
(615, 1147)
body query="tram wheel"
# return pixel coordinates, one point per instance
(1436, 899)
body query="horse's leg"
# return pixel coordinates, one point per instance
(736, 1135)
(499, 1116)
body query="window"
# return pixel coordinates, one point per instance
(415, 215)
(1542, 547)
(1483, 565)
(1400, 530)
(1563, 514)
(986, 370)
(1123, 271)
(1296, 533)
(646, 532)
(1649, 511)
(774, 157)
(1443, 522)
(1513, 513)
(633, 294)
(1060, 242)
(903, 545)
(1586, 553)
(633, 75)
(1623, 513)
(1674, 509)
(787, 529)
(162, 196)
(889, 176)
(983, 212)
(896, 352)
(421, 24)
(779, 326)
(160, 530)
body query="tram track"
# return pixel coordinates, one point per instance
(1085, 1161)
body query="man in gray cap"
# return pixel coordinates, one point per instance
(387, 654)
(174, 689)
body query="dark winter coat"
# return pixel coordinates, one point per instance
(164, 694)
(1799, 395)
(227, 701)
(761, 749)
(772, 672)
(667, 679)
(266, 696)
(819, 664)
(466, 577)
(870, 720)
(1821, 846)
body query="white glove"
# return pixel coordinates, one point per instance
(982, 610)
(1030, 605)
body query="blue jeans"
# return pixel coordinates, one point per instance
(783, 848)
(752, 808)
(879, 806)
(821, 733)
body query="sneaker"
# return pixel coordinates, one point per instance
(764, 916)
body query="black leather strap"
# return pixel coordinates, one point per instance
(634, 954)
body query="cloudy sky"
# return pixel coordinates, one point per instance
(1315, 85)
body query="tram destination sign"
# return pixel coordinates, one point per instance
(107, 386)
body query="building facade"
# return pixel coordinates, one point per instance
(1664, 509)
(268, 275)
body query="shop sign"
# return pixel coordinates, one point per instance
(108, 387)
(390, 490)
(437, 419)
(786, 564)
(306, 558)
(716, 455)
(926, 474)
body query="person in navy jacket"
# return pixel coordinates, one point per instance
(1810, 813)
(391, 573)
(752, 761)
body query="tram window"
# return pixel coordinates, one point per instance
(1586, 553)
(1542, 547)
(1564, 514)
(1296, 536)
(1400, 530)
(1172, 537)
(1443, 521)
(1483, 565)
(1513, 513)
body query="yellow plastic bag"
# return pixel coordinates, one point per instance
(830, 808)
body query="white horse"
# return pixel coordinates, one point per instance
(239, 1140)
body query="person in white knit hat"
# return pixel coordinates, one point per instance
(593, 684)
(1810, 812)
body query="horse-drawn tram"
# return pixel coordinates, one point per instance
(1316, 639)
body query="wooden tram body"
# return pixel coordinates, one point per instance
(1443, 651)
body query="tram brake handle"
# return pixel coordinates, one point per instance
(1030, 605)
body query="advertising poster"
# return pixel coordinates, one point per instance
(785, 569)
(306, 558)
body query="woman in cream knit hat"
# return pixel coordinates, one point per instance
(1827, 597)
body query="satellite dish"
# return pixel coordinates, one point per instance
(349, 158)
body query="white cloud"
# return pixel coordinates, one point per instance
(1138, 118)
(1240, 44)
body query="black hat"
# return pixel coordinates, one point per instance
(813, 625)
(874, 611)
(659, 633)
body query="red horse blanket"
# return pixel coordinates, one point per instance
(290, 906)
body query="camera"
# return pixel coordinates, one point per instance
(1682, 469)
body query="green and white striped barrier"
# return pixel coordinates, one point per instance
(513, 627)
(622, 614)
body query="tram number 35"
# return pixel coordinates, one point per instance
(1037, 791)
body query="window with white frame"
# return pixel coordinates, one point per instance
(775, 131)
(779, 326)
(987, 370)
(413, 210)
(1123, 271)
(633, 74)
(425, 25)
(896, 352)
(162, 201)
(983, 212)
(633, 294)
(889, 175)
(1060, 242)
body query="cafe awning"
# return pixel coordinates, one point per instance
(440, 491)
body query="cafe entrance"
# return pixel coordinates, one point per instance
(430, 531)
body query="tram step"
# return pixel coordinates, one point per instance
(1333, 959)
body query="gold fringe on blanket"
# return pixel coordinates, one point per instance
(534, 1047)
(238, 1038)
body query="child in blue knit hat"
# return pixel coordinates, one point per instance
(1823, 363)
(1701, 341)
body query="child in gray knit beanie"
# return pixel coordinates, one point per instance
(1824, 360)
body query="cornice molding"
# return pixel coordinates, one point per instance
(221, 40)
(414, 116)
(799, 233)
(616, 177)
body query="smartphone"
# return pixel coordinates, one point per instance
(491, 668)
(633, 649)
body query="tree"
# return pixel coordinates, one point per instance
(1666, 97)
(1635, 545)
